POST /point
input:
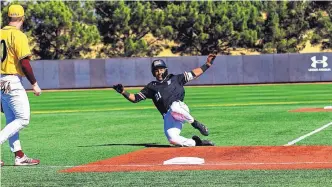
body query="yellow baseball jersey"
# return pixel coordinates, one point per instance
(14, 47)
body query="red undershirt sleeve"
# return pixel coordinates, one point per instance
(27, 70)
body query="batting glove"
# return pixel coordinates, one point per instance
(119, 88)
(210, 59)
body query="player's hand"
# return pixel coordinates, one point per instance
(36, 90)
(210, 59)
(119, 88)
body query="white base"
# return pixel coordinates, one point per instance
(184, 160)
(328, 107)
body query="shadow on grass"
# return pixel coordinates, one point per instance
(138, 144)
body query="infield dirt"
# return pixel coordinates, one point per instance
(217, 158)
(311, 110)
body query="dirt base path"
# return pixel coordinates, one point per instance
(311, 110)
(217, 158)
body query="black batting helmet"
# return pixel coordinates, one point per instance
(159, 64)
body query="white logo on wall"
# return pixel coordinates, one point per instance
(319, 65)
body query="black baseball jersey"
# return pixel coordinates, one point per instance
(164, 93)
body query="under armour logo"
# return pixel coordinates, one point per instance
(315, 62)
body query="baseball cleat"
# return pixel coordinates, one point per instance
(207, 143)
(202, 129)
(26, 161)
(200, 142)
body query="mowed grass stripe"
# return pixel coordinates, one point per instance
(194, 105)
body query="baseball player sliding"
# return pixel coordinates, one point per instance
(167, 93)
(15, 64)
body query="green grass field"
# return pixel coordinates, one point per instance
(77, 127)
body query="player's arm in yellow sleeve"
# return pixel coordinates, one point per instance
(22, 48)
(23, 54)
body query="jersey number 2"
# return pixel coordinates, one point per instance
(3, 50)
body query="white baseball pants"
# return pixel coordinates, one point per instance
(17, 111)
(174, 119)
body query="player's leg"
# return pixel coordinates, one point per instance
(202, 128)
(14, 142)
(21, 159)
(17, 111)
(172, 129)
(180, 112)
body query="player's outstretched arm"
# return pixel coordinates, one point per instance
(209, 61)
(134, 98)
(120, 89)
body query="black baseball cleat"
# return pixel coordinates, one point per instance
(200, 142)
(202, 129)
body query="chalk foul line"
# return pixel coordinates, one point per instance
(307, 135)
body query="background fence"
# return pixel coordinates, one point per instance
(270, 68)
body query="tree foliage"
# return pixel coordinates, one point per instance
(124, 25)
(285, 27)
(203, 27)
(321, 21)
